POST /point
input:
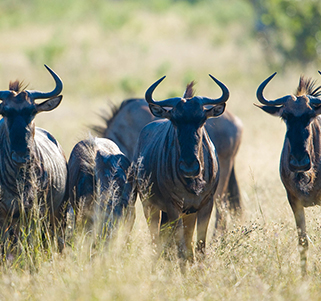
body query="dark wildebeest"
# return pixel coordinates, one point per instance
(101, 183)
(32, 163)
(300, 163)
(178, 169)
(126, 122)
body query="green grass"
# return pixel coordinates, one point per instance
(106, 51)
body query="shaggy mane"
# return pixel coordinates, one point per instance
(16, 86)
(307, 86)
(189, 92)
(108, 117)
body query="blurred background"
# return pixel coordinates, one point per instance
(107, 51)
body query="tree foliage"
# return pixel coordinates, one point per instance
(289, 28)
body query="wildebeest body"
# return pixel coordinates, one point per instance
(306, 184)
(33, 166)
(177, 170)
(159, 159)
(300, 164)
(100, 180)
(225, 131)
(43, 177)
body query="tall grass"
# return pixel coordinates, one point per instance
(253, 261)
(106, 51)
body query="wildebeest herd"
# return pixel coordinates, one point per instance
(170, 153)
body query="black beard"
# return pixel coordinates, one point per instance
(194, 185)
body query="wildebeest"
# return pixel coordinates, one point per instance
(225, 131)
(178, 167)
(101, 183)
(32, 163)
(300, 163)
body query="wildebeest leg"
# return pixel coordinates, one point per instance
(203, 218)
(220, 215)
(189, 226)
(234, 195)
(129, 220)
(220, 196)
(176, 220)
(130, 212)
(152, 215)
(164, 218)
(298, 211)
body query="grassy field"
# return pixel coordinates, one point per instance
(106, 51)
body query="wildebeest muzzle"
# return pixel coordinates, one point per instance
(299, 165)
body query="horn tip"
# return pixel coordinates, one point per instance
(49, 69)
(213, 78)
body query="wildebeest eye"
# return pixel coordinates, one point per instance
(5, 111)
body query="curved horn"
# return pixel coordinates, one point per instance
(214, 101)
(56, 91)
(170, 102)
(315, 100)
(263, 100)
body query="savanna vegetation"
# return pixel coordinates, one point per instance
(106, 51)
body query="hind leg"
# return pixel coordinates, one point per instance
(234, 195)
(220, 197)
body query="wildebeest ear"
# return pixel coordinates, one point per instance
(215, 111)
(49, 104)
(159, 111)
(272, 110)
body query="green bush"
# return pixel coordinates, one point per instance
(291, 28)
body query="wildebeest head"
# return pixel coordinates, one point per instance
(298, 112)
(19, 109)
(188, 115)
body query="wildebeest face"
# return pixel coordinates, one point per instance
(298, 112)
(18, 114)
(188, 117)
(298, 116)
(19, 109)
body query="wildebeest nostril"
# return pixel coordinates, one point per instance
(189, 170)
(19, 158)
(303, 164)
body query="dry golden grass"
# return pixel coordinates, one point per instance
(257, 259)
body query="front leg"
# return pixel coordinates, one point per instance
(203, 218)
(189, 226)
(298, 211)
(175, 219)
(152, 215)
